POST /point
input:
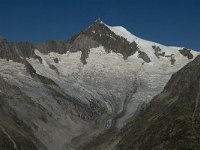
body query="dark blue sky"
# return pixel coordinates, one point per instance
(170, 22)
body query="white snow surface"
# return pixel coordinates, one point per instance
(108, 75)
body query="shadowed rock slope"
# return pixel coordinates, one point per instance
(170, 121)
(15, 134)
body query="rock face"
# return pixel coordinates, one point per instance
(170, 120)
(14, 51)
(59, 95)
(186, 52)
(109, 40)
(159, 54)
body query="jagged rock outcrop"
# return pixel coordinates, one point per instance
(186, 52)
(158, 51)
(144, 56)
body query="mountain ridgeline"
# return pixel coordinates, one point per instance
(98, 34)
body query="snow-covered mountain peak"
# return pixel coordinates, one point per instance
(153, 50)
(65, 91)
